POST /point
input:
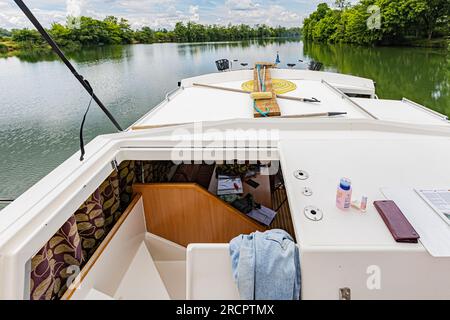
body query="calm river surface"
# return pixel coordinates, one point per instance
(41, 104)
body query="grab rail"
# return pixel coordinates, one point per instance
(344, 96)
(170, 93)
(430, 111)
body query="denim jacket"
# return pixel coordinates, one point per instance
(266, 266)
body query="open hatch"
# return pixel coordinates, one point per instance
(154, 229)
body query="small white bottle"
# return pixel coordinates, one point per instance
(344, 194)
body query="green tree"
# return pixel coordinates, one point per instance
(26, 35)
(436, 13)
(4, 33)
(181, 32)
(145, 35)
(401, 21)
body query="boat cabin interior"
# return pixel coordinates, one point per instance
(137, 236)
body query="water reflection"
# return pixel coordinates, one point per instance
(88, 54)
(420, 74)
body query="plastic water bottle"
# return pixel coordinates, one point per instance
(344, 194)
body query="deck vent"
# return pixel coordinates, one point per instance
(313, 213)
(307, 192)
(301, 175)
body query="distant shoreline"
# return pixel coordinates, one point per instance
(9, 48)
(87, 31)
(12, 48)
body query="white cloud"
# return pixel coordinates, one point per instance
(11, 16)
(74, 7)
(164, 13)
(193, 11)
(241, 5)
(253, 13)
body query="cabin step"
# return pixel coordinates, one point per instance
(142, 281)
(173, 274)
(164, 250)
(96, 295)
(170, 260)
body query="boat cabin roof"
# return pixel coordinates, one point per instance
(192, 103)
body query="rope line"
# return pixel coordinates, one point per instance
(263, 89)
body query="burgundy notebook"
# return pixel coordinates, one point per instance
(396, 222)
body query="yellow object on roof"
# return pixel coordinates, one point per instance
(261, 95)
(279, 86)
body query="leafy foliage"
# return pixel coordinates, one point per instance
(3, 48)
(401, 21)
(85, 31)
(4, 33)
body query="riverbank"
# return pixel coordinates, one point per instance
(9, 48)
(433, 43)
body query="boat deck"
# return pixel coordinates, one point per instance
(378, 144)
(196, 104)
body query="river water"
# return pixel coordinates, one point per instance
(41, 104)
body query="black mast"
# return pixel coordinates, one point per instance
(58, 51)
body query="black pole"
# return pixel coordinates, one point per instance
(58, 51)
(6, 201)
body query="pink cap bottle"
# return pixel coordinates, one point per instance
(344, 194)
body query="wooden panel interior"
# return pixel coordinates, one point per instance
(186, 213)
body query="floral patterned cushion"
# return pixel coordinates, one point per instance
(59, 259)
(74, 244)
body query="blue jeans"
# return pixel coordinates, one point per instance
(266, 266)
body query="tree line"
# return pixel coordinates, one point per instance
(84, 31)
(379, 22)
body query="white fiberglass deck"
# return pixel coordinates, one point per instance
(194, 104)
(390, 144)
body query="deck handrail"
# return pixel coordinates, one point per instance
(428, 110)
(344, 96)
(170, 93)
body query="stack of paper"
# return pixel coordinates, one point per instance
(229, 185)
(263, 215)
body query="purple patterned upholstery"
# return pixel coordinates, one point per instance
(50, 266)
(78, 239)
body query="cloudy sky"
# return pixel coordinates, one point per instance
(164, 13)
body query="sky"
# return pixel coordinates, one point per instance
(164, 13)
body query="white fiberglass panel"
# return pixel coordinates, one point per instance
(371, 164)
(400, 111)
(196, 104)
